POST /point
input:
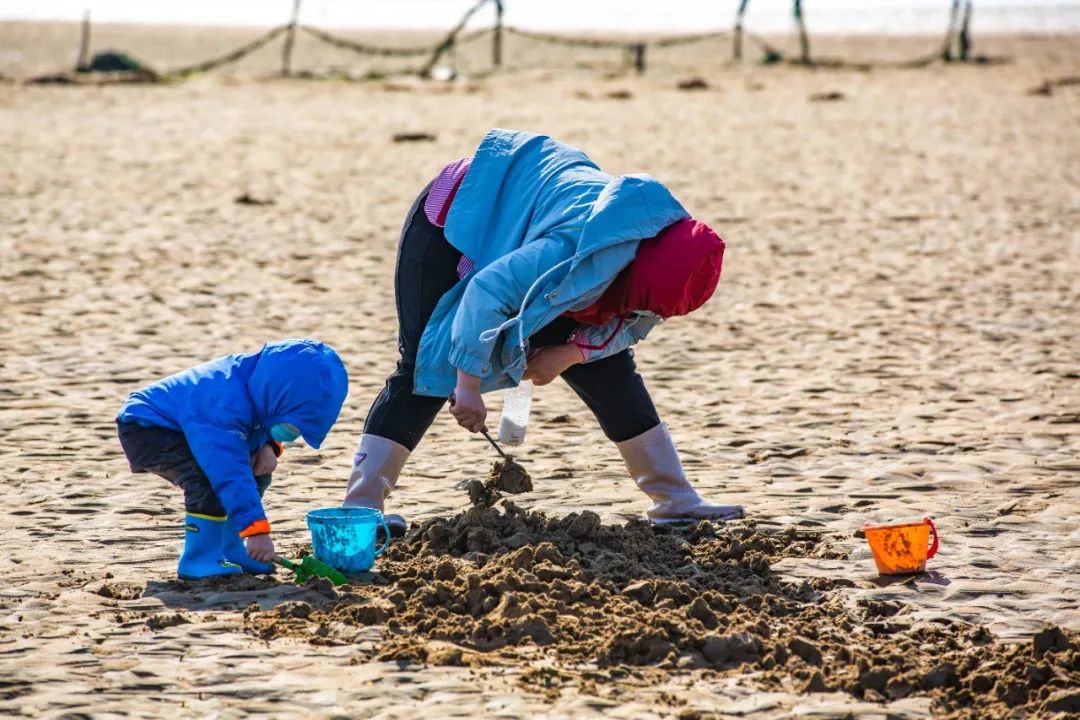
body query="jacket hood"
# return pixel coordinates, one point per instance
(301, 382)
(631, 208)
(672, 274)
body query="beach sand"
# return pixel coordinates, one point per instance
(895, 335)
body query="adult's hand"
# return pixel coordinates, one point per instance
(467, 404)
(548, 363)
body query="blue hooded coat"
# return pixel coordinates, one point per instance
(225, 409)
(548, 232)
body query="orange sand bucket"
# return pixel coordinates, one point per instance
(902, 549)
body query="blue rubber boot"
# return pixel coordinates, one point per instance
(233, 550)
(202, 549)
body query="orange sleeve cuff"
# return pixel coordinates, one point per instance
(259, 527)
(277, 447)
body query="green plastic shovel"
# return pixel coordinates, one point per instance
(309, 567)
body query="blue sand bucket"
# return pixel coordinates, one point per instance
(344, 537)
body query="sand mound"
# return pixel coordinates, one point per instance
(499, 585)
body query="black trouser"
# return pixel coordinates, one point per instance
(426, 270)
(166, 453)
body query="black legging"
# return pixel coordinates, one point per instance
(426, 270)
(166, 453)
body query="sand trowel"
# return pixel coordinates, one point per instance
(309, 567)
(507, 476)
(487, 435)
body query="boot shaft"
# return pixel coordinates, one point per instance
(376, 467)
(203, 538)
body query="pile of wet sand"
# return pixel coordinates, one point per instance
(506, 476)
(497, 586)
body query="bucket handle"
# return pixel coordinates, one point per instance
(386, 536)
(934, 544)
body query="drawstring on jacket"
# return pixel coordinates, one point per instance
(490, 334)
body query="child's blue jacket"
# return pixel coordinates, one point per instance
(225, 408)
(548, 232)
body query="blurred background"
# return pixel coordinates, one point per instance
(372, 39)
(863, 16)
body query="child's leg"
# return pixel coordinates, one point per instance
(166, 453)
(426, 270)
(617, 396)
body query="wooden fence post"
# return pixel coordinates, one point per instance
(638, 50)
(290, 37)
(965, 34)
(946, 48)
(736, 48)
(83, 60)
(497, 38)
(804, 39)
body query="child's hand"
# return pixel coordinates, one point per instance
(467, 404)
(264, 462)
(261, 548)
(548, 363)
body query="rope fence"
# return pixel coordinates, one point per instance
(632, 51)
(570, 40)
(677, 40)
(228, 58)
(362, 49)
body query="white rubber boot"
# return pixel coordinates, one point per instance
(376, 466)
(654, 464)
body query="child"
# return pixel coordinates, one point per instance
(215, 431)
(527, 262)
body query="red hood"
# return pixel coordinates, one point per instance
(672, 274)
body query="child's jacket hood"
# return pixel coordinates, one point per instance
(301, 382)
(548, 232)
(225, 408)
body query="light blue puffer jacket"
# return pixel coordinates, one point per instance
(548, 232)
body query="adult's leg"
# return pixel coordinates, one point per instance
(426, 270)
(616, 393)
(617, 396)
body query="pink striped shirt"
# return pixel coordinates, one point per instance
(443, 190)
(441, 196)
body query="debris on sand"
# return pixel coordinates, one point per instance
(249, 199)
(499, 585)
(115, 61)
(694, 83)
(403, 137)
(1048, 86)
(830, 96)
(120, 590)
(109, 67)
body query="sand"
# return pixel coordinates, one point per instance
(895, 335)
